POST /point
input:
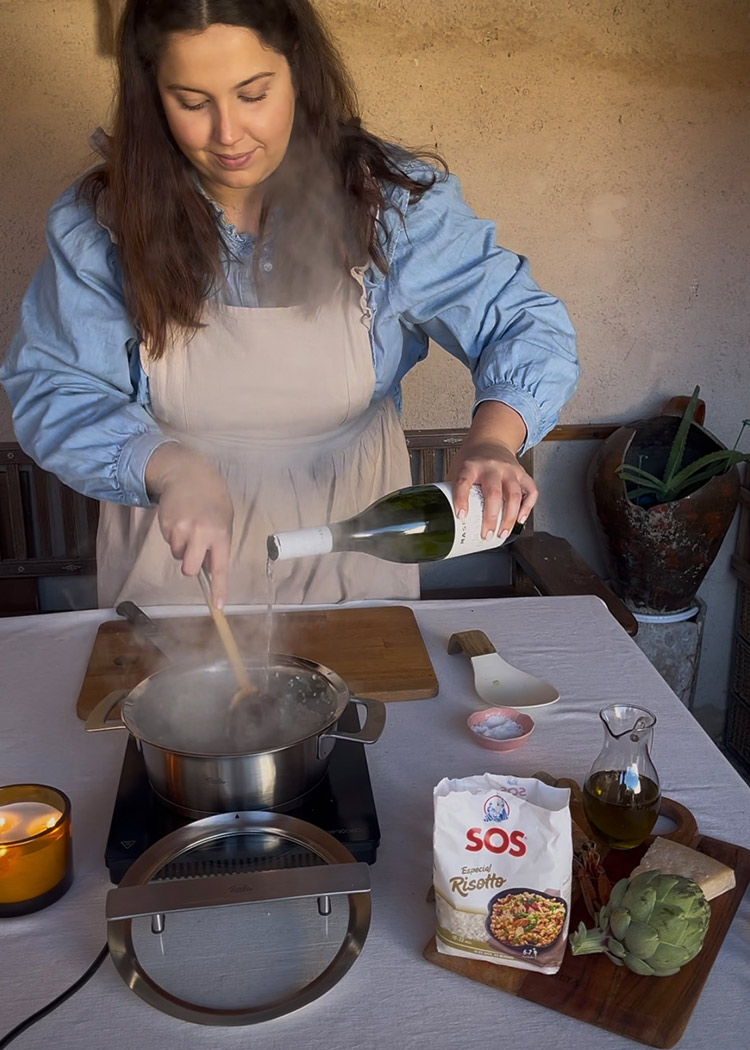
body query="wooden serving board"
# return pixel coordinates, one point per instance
(378, 650)
(651, 1010)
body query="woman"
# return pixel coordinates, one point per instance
(215, 342)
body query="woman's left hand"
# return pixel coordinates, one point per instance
(487, 459)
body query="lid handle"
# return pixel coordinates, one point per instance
(219, 891)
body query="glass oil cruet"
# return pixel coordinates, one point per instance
(621, 795)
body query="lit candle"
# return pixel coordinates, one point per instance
(35, 847)
(25, 820)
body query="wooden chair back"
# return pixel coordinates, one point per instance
(46, 530)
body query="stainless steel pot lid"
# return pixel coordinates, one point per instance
(240, 948)
(185, 708)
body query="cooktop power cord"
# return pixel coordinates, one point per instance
(22, 1027)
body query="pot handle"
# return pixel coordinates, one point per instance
(370, 731)
(99, 719)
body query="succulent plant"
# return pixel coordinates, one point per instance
(646, 489)
(653, 924)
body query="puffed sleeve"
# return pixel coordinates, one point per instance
(71, 371)
(452, 281)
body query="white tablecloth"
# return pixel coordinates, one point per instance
(391, 998)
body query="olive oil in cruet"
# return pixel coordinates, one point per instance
(621, 794)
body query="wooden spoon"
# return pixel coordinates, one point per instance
(246, 688)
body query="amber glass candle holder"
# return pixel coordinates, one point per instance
(36, 855)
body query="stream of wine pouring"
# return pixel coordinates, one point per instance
(268, 626)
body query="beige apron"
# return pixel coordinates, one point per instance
(279, 400)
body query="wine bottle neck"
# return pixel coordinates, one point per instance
(300, 543)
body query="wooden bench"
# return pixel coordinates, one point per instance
(47, 531)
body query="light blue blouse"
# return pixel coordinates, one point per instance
(80, 398)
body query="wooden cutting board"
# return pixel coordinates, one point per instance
(651, 1010)
(378, 650)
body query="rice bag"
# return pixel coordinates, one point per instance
(503, 857)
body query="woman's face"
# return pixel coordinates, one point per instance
(229, 102)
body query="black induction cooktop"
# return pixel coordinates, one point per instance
(341, 804)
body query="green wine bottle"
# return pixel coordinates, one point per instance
(415, 524)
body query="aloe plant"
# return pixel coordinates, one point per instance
(646, 489)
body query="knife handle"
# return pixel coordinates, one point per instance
(473, 643)
(135, 615)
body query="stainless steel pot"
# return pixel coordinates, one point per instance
(201, 761)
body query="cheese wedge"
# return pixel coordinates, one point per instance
(671, 858)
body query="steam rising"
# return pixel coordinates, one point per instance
(311, 240)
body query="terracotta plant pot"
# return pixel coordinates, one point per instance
(659, 555)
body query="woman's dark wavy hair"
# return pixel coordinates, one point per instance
(322, 201)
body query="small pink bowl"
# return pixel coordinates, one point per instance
(525, 722)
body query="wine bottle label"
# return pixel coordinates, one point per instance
(298, 544)
(468, 538)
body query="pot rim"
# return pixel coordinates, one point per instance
(128, 715)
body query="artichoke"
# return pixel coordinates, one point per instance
(653, 924)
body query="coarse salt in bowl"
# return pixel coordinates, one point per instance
(500, 728)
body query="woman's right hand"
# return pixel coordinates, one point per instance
(195, 512)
